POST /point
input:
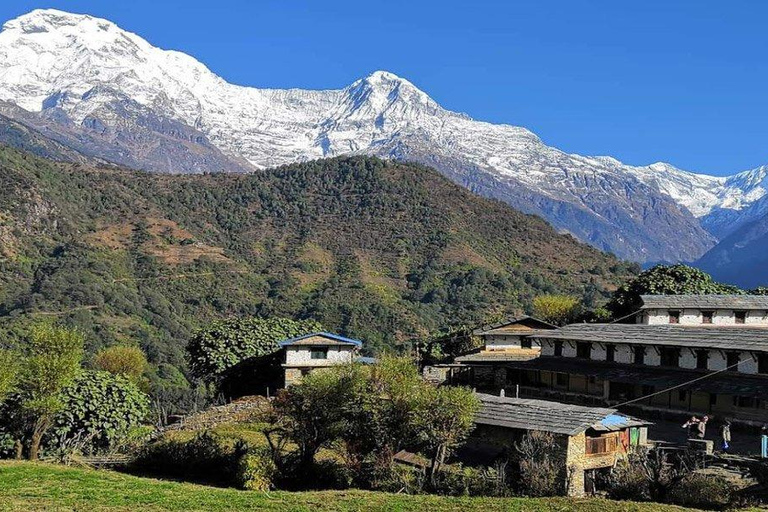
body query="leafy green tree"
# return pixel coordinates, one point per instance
(556, 309)
(311, 414)
(52, 364)
(444, 419)
(123, 360)
(10, 365)
(224, 344)
(101, 406)
(662, 279)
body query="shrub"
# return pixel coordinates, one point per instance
(100, 409)
(541, 467)
(122, 360)
(255, 471)
(702, 491)
(206, 457)
(628, 481)
(468, 481)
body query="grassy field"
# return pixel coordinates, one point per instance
(33, 487)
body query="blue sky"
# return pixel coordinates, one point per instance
(678, 81)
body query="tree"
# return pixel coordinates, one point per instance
(556, 309)
(224, 344)
(310, 414)
(100, 406)
(52, 363)
(127, 361)
(9, 372)
(662, 279)
(444, 419)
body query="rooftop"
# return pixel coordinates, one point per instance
(737, 337)
(523, 323)
(556, 417)
(321, 339)
(705, 301)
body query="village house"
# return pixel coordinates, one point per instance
(317, 350)
(588, 439)
(674, 341)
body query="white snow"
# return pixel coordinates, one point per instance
(53, 58)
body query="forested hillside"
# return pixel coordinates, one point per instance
(382, 251)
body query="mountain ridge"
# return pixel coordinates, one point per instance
(381, 114)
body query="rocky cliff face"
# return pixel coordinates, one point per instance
(118, 97)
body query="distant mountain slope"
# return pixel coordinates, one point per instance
(742, 257)
(148, 108)
(382, 251)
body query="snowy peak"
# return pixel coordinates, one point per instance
(101, 78)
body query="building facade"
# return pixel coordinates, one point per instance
(314, 351)
(684, 354)
(587, 439)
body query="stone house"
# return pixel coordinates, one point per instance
(589, 439)
(317, 350)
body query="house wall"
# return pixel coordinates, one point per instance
(302, 355)
(501, 342)
(691, 316)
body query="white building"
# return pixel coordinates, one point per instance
(704, 310)
(317, 350)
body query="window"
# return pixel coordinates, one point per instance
(732, 361)
(747, 402)
(584, 350)
(682, 395)
(670, 356)
(706, 317)
(610, 353)
(712, 399)
(762, 363)
(648, 390)
(702, 356)
(558, 349)
(601, 445)
(525, 342)
(674, 317)
(562, 379)
(740, 317)
(318, 353)
(639, 355)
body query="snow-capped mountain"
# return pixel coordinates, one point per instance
(114, 88)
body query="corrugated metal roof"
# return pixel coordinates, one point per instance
(543, 415)
(736, 337)
(333, 339)
(705, 301)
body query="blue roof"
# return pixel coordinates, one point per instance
(334, 337)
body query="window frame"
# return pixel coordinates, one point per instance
(674, 316)
(638, 355)
(707, 317)
(740, 317)
(313, 351)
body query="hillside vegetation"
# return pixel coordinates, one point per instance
(27, 486)
(382, 251)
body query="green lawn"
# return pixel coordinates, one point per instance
(29, 487)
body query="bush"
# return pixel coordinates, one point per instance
(703, 491)
(206, 457)
(122, 360)
(100, 409)
(628, 481)
(542, 470)
(467, 481)
(256, 471)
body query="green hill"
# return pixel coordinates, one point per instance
(382, 251)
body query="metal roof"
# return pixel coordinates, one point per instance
(736, 337)
(333, 339)
(543, 415)
(705, 301)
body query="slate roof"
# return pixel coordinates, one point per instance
(528, 321)
(328, 339)
(737, 302)
(727, 383)
(543, 415)
(736, 337)
(498, 356)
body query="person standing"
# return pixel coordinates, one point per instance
(701, 427)
(725, 435)
(690, 425)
